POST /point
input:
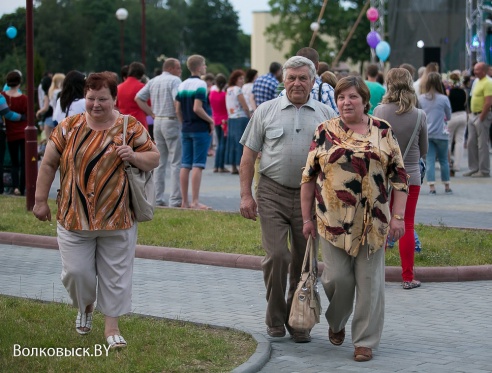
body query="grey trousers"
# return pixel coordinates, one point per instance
(167, 135)
(101, 260)
(345, 277)
(281, 225)
(478, 143)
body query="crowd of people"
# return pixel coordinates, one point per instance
(335, 156)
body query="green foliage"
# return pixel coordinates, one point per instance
(295, 17)
(85, 34)
(154, 345)
(216, 68)
(448, 247)
(13, 51)
(213, 31)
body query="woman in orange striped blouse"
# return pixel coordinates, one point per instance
(97, 232)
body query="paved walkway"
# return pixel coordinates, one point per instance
(441, 327)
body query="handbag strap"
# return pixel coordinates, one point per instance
(413, 134)
(310, 255)
(125, 125)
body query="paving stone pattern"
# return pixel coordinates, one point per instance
(440, 327)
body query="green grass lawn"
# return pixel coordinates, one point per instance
(154, 345)
(231, 233)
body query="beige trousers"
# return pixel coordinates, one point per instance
(281, 226)
(363, 277)
(101, 260)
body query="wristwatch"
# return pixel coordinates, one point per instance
(398, 217)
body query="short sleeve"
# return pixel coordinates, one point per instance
(312, 167)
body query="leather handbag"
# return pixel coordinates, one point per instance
(306, 306)
(142, 189)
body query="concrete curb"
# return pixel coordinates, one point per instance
(259, 358)
(393, 274)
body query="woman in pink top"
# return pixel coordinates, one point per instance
(217, 98)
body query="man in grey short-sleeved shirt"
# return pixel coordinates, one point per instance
(282, 129)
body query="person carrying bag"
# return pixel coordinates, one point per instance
(306, 305)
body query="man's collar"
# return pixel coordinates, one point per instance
(284, 102)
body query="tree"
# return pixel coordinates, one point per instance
(165, 31)
(13, 51)
(295, 17)
(213, 31)
(85, 34)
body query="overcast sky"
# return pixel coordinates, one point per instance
(245, 8)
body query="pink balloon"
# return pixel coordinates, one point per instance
(372, 14)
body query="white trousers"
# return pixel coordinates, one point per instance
(102, 261)
(167, 135)
(457, 128)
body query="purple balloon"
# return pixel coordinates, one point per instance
(373, 39)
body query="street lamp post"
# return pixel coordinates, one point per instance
(143, 32)
(31, 148)
(122, 15)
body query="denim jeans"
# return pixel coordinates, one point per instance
(195, 147)
(437, 149)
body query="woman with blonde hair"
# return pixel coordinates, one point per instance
(239, 114)
(49, 104)
(437, 107)
(432, 67)
(398, 109)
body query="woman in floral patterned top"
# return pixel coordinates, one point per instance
(352, 160)
(96, 228)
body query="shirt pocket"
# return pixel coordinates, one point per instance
(274, 139)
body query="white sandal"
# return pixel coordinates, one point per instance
(83, 320)
(116, 341)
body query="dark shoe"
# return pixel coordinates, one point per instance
(161, 204)
(336, 338)
(301, 336)
(407, 285)
(276, 331)
(448, 191)
(432, 192)
(362, 354)
(452, 173)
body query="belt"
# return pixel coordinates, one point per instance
(477, 113)
(168, 118)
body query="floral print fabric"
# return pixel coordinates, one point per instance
(353, 172)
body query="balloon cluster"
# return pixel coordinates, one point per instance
(383, 49)
(11, 32)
